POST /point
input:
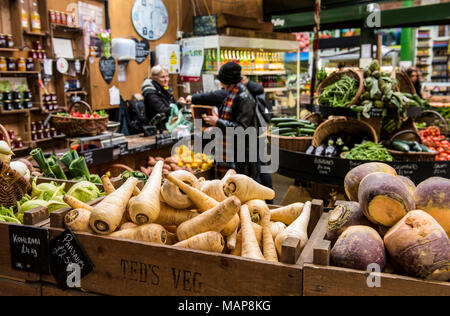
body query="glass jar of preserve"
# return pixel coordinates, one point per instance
(57, 17)
(7, 96)
(63, 18)
(34, 136)
(40, 134)
(47, 133)
(44, 54)
(2, 41)
(30, 64)
(32, 54)
(52, 16)
(53, 132)
(55, 105)
(11, 64)
(39, 125)
(27, 95)
(16, 95)
(27, 103)
(3, 64)
(54, 97)
(33, 126)
(9, 41)
(50, 106)
(12, 135)
(37, 45)
(21, 64)
(7, 105)
(17, 104)
(19, 143)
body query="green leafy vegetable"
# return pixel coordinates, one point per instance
(85, 191)
(56, 168)
(38, 156)
(79, 169)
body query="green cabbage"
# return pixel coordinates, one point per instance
(56, 204)
(46, 191)
(27, 206)
(84, 191)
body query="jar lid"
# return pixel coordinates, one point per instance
(27, 100)
(19, 139)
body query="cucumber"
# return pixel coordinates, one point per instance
(282, 131)
(289, 134)
(277, 120)
(400, 146)
(293, 125)
(307, 130)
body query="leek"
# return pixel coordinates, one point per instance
(69, 157)
(79, 169)
(56, 168)
(38, 156)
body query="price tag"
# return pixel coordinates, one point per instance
(88, 156)
(68, 260)
(29, 249)
(124, 149)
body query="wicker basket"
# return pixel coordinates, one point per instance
(336, 125)
(337, 75)
(433, 118)
(412, 156)
(78, 127)
(12, 186)
(297, 144)
(405, 84)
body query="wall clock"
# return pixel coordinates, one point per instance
(150, 19)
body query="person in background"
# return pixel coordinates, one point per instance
(415, 76)
(217, 98)
(236, 109)
(158, 95)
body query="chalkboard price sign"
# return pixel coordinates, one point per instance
(68, 260)
(29, 249)
(108, 68)
(124, 149)
(142, 50)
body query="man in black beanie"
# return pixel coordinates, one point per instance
(238, 110)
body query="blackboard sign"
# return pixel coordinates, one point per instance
(68, 260)
(124, 149)
(98, 156)
(108, 68)
(142, 50)
(29, 249)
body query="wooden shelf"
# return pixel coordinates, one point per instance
(76, 92)
(282, 89)
(9, 50)
(21, 73)
(40, 34)
(12, 112)
(66, 28)
(42, 140)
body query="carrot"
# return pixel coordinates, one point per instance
(257, 209)
(145, 207)
(213, 220)
(147, 233)
(209, 241)
(75, 203)
(172, 194)
(232, 240)
(78, 220)
(298, 229)
(214, 189)
(107, 215)
(169, 216)
(287, 214)
(247, 189)
(250, 247)
(270, 253)
(127, 225)
(276, 228)
(200, 199)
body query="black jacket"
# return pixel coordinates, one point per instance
(157, 99)
(217, 98)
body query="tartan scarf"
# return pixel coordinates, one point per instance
(227, 114)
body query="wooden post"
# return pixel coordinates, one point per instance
(290, 251)
(316, 49)
(322, 253)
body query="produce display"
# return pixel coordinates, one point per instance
(78, 114)
(392, 223)
(432, 138)
(369, 151)
(75, 164)
(183, 159)
(339, 94)
(175, 211)
(336, 144)
(292, 127)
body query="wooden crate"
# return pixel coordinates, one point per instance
(10, 287)
(38, 218)
(51, 290)
(322, 279)
(136, 268)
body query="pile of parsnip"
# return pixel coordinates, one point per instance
(223, 216)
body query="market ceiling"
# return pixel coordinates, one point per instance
(297, 16)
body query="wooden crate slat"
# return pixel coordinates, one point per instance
(16, 288)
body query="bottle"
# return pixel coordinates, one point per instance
(253, 61)
(3, 65)
(214, 60)
(24, 15)
(35, 19)
(222, 58)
